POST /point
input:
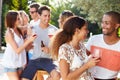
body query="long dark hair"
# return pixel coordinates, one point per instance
(10, 20)
(65, 35)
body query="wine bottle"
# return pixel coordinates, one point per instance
(42, 44)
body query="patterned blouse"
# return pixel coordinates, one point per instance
(75, 58)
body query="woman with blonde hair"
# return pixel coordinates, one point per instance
(14, 58)
(26, 30)
(24, 23)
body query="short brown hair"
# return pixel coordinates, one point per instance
(35, 5)
(42, 8)
(114, 15)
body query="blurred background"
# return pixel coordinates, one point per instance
(91, 10)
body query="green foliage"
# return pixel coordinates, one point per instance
(56, 10)
(23, 5)
(92, 10)
(118, 32)
(14, 5)
(11, 5)
(4, 10)
(96, 8)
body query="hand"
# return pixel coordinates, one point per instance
(92, 62)
(45, 49)
(33, 37)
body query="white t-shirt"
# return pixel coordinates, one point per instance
(12, 59)
(109, 65)
(33, 23)
(42, 34)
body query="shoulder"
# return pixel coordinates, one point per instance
(9, 32)
(34, 23)
(9, 35)
(94, 39)
(63, 49)
(64, 46)
(99, 36)
(52, 26)
(31, 21)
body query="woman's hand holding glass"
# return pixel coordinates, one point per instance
(92, 62)
(97, 54)
(31, 34)
(32, 37)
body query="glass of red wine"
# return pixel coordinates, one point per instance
(51, 32)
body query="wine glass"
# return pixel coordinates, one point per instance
(51, 32)
(96, 53)
(32, 32)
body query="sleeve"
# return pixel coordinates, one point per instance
(63, 54)
(89, 43)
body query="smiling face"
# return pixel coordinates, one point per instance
(108, 25)
(45, 17)
(82, 35)
(18, 21)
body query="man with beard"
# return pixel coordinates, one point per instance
(107, 45)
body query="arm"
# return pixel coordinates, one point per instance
(64, 63)
(30, 46)
(66, 74)
(9, 37)
(45, 49)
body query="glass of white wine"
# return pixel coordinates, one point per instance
(96, 53)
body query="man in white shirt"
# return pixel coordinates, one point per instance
(33, 10)
(108, 47)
